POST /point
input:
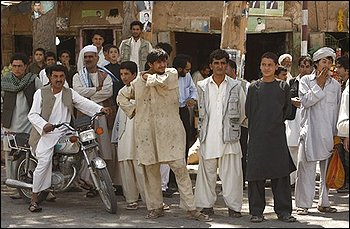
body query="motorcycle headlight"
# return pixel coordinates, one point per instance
(87, 135)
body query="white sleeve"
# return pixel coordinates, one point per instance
(34, 115)
(85, 105)
(80, 62)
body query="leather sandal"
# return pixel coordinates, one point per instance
(91, 193)
(326, 209)
(166, 206)
(257, 218)
(155, 213)
(234, 214)
(132, 206)
(302, 211)
(197, 215)
(34, 207)
(287, 218)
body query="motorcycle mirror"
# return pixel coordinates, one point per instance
(99, 131)
(73, 139)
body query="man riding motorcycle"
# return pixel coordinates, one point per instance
(52, 104)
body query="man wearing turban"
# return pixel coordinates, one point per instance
(286, 61)
(320, 97)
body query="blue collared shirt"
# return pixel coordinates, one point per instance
(187, 89)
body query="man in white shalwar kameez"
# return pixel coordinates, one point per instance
(95, 82)
(52, 104)
(123, 135)
(221, 111)
(293, 126)
(320, 96)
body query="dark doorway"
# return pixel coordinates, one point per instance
(24, 44)
(338, 40)
(258, 44)
(197, 45)
(67, 43)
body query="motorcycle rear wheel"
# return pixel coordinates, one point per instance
(21, 175)
(106, 191)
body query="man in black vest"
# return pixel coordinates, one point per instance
(17, 90)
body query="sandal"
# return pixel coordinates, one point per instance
(287, 218)
(166, 206)
(91, 193)
(34, 207)
(84, 185)
(326, 209)
(234, 214)
(197, 215)
(257, 218)
(155, 213)
(50, 197)
(302, 211)
(132, 206)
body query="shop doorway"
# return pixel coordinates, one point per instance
(67, 43)
(88, 33)
(24, 44)
(258, 44)
(197, 45)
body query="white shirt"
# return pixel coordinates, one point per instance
(135, 48)
(60, 112)
(90, 92)
(213, 146)
(343, 118)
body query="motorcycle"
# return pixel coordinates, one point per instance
(72, 148)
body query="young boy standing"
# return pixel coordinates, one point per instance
(267, 106)
(123, 135)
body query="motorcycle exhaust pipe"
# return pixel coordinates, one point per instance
(17, 184)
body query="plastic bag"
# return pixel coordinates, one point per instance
(335, 176)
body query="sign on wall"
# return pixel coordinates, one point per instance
(93, 13)
(266, 8)
(41, 7)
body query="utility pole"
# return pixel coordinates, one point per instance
(304, 32)
(234, 30)
(44, 29)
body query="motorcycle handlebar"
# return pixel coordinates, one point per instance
(66, 124)
(101, 113)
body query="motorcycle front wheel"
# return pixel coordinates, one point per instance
(27, 177)
(106, 190)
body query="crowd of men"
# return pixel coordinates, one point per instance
(247, 131)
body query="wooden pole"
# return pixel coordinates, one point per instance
(234, 29)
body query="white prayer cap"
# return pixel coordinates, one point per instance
(284, 56)
(322, 53)
(90, 48)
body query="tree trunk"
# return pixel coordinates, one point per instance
(234, 24)
(44, 30)
(130, 15)
(234, 30)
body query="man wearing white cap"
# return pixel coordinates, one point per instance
(95, 82)
(286, 61)
(320, 98)
(97, 40)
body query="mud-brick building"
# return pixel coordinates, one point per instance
(192, 27)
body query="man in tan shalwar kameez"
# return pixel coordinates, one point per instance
(159, 133)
